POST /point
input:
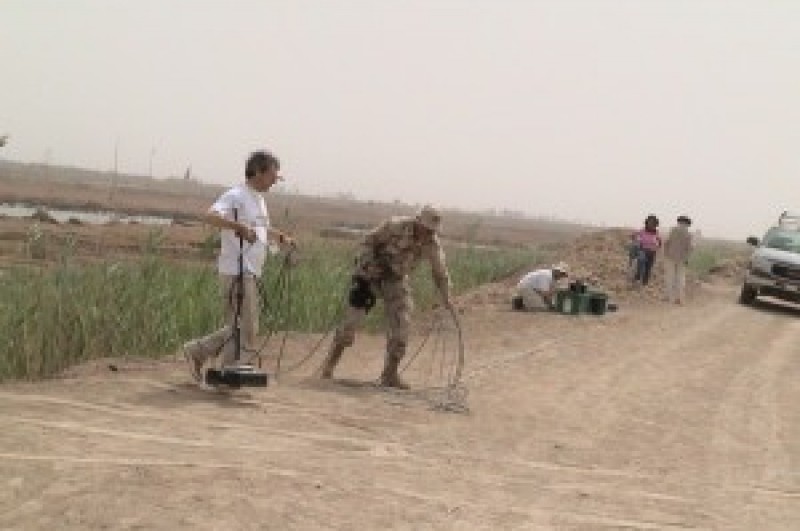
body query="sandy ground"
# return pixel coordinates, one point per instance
(653, 417)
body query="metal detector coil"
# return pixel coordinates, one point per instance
(236, 377)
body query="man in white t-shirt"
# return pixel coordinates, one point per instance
(536, 289)
(241, 214)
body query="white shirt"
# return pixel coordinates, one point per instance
(251, 210)
(539, 280)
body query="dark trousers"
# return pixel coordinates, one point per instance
(644, 264)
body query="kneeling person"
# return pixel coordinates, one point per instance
(536, 290)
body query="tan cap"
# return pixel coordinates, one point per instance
(429, 217)
(561, 267)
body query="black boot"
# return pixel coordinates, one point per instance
(389, 376)
(334, 354)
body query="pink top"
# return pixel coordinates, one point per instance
(648, 240)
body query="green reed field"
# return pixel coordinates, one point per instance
(59, 316)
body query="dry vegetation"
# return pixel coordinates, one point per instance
(597, 252)
(183, 200)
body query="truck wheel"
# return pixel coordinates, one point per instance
(747, 295)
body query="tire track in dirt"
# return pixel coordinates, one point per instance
(490, 475)
(488, 467)
(425, 457)
(396, 491)
(616, 391)
(681, 424)
(497, 468)
(748, 427)
(422, 458)
(357, 424)
(480, 507)
(325, 440)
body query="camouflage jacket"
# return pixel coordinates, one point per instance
(391, 251)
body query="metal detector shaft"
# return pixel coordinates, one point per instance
(237, 315)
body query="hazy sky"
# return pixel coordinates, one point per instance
(598, 111)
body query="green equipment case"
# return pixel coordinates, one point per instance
(574, 303)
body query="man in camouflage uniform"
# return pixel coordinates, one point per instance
(390, 252)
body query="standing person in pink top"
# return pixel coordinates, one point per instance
(648, 242)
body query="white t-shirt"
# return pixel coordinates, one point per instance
(251, 209)
(539, 280)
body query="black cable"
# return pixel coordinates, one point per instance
(328, 329)
(281, 292)
(437, 327)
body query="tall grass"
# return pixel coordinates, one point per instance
(55, 317)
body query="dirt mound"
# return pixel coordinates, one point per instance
(601, 259)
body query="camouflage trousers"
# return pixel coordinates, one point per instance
(221, 342)
(397, 304)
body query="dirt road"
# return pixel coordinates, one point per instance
(654, 417)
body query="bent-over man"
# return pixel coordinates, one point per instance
(390, 252)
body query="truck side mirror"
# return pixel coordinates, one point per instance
(752, 240)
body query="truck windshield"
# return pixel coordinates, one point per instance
(783, 240)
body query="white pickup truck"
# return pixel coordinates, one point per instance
(774, 268)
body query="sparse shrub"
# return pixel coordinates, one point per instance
(154, 240)
(36, 242)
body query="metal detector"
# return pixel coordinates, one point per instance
(238, 375)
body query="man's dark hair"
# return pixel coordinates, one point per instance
(260, 161)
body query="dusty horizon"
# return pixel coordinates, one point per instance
(595, 112)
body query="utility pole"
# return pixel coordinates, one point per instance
(48, 153)
(152, 154)
(114, 174)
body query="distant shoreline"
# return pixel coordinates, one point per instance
(94, 207)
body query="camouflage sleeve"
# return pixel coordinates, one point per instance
(371, 257)
(377, 237)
